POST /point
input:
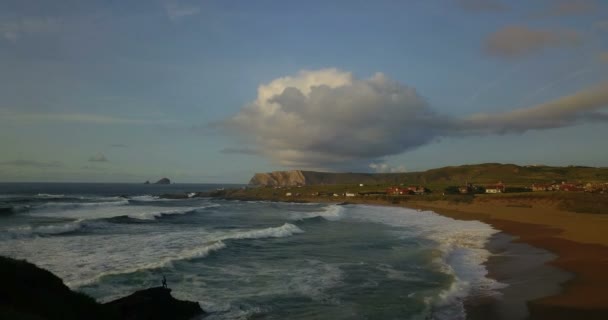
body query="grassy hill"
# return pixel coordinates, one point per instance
(486, 173)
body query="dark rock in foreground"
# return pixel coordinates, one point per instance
(28, 292)
(154, 303)
(163, 181)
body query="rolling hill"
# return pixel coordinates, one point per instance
(476, 173)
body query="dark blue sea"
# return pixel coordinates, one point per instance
(249, 259)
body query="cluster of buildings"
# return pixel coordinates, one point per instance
(398, 191)
(494, 188)
(571, 187)
(468, 188)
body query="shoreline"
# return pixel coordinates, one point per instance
(524, 270)
(578, 241)
(583, 296)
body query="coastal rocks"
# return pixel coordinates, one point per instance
(163, 181)
(279, 178)
(29, 292)
(154, 303)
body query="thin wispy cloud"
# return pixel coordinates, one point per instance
(93, 168)
(386, 168)
(326, 118)
(177, 10)
(520, 41)
(584, 106)
(243, 150)
(567, 77)
(14, 29)
(572, 7)
(601, 25)
(76, 118)
(482, 5)
(99, 157)
(32, 163)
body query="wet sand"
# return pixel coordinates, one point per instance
(578, 240)
(526, 274)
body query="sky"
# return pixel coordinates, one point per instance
(214, 91)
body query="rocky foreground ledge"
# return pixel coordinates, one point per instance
(29, 292)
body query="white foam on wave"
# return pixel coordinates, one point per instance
(53, 229)
(151, 215)
(77, 205)
(308, 278)
(146, 197)
(197, 252)
(214, 243)
(112, 255)
(285, 230)
(92, 211)
(332, 213)
(159, 211)
(48, 195)
(462, 248)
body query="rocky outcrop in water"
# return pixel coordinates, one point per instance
(163, 181)
(28, 292)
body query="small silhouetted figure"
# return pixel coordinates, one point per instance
(164, 282)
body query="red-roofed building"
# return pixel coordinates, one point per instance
(497, 188)
(542, 187)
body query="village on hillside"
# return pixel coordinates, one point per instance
(467, 188)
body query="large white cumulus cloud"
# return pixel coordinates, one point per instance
(329, 119)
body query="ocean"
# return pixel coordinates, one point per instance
(249, 259)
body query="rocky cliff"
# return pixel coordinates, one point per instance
(478, 173)
(279, 178)
(298, 177)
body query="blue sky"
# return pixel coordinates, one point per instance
(134, 91)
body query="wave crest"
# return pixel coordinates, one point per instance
(198, 252)
(285, 230)
(331, 213)
(50, 230)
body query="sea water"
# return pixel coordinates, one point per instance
(249, 259)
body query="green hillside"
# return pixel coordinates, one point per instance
(486, 173)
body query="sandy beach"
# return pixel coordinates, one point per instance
(579, 240)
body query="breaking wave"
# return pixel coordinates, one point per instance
(198, 252)
(76, 205)
(332, 213)
(285, 230)
(53, 229)
(203, 251)
(461, 245)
